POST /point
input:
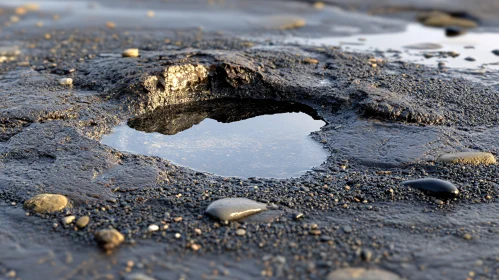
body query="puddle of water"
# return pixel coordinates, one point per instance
(250, 138)
(482, 43)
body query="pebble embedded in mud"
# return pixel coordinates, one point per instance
(153, 228)
(283, 22)
(240, 232)
(66, 82)
(474, 158)
(138, 276)
(82, 221)
(433, 185)
(310, 60)
(453, 31)
(69, 219)
(109, 239)
(440, 19)
(229, 209)
(46, 203)
(424, 46)
(130, 53)
(362, 274)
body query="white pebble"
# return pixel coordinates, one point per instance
(130, 53)
(153, 228)
(69, 219)
(66, 82)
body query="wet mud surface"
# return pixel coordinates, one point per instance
(386, 123)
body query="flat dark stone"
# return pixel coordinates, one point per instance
(433, 185)
(453, 31)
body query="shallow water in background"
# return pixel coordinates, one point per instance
(237, 144)
(476, 45)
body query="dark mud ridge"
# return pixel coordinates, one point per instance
(385, 125)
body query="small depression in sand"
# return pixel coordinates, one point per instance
(237, 138)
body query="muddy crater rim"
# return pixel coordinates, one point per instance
(228, 137)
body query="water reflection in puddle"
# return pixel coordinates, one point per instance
(476, 45)
(227, 137)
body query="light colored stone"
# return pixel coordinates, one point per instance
(362, 274)
(229, 209)
(46, 203)
(66, 82)
(283, 22)
(69, 219)
(109, 239)
(474, 158)
(424, 46)
(152, 228)
(240, 232)
(440, 19)
(130, 53)
(82, 221)
(138, 276)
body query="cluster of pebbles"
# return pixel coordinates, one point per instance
(237, 209)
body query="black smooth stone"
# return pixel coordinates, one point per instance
(433, 185)
(453, 31)
(496, 52)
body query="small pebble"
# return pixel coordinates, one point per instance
(82, 221)
(309, 60)
(153, 228)
(229, 209)
(298, 216)
(109, 239)
(469, 58)
(319, 5)
(314, 232)
(467, 236)
(362, 273)
(110, 25)
(240, 232)
(195, 247)
(68, 219)
(496, 52)
(138, 276)
(130, 53)
(66, 82)
(453, 31)
(366, 255)
(347, 229)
